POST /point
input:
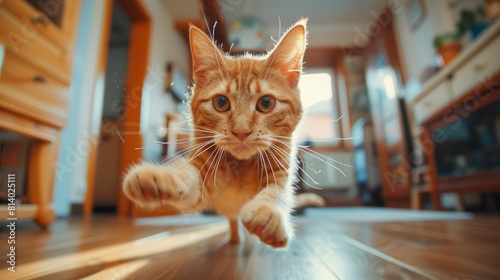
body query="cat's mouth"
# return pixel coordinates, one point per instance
(240, 147)
(242, 150)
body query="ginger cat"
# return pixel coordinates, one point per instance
(244, 111)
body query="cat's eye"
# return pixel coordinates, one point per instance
(266, 104)
(221, 103)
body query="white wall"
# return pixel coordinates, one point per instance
(71, 168)
(167, 45)
(416, 46)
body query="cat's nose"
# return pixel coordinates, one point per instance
(242, 133)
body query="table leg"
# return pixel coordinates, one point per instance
(42, 171)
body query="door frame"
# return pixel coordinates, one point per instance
(138, 61)
(95, 132)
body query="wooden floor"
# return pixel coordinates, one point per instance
(113, 248)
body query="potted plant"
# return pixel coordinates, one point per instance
(472, 23)
(448, 46)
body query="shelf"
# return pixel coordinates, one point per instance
(470, 50)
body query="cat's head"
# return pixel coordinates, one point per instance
(247, 101)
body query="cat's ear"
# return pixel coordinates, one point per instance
(205, 54)
(288, 54)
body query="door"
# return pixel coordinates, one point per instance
(130, 135)
(384, 81)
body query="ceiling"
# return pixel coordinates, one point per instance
(331, 22)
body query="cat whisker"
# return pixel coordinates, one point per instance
(127, 132)
(205, 19)
(217, 165)
(339, 118)
(272, 170)
(309, 113)
(319, 156)
(207, 173)
(283, 153)
(196, 130)
(186, 151)
(222, 154)
(265, 167)
(215, 50)
(200, 131)
(311, 152)
(280, 167)
(184, 122)
(270, 141)
(279, 26)
(259, 166)
(182, 141)
(286, 157)
(213, 30)
(321, 140)
(119, 134)
(198, 147)
(198, 153)
(211, 171)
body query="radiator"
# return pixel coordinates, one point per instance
(322, 175)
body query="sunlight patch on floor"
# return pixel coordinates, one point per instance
(122, 253)
(121, 271)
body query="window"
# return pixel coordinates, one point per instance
(320, 125)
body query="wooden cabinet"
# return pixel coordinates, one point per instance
(35, 77)
(456, 117)
(479, 68)
(432, 103)
(31, 92)
(384, 82)
(25, 36)
(54, 20)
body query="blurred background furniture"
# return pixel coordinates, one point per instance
(366, 163)
(455, 124)
(34, 82)
(384, 79)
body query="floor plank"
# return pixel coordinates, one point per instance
(196, 248)
(440, 248)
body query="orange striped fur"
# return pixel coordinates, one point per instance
(244, 111)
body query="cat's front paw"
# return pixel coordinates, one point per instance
(265, 221)
(153, 186)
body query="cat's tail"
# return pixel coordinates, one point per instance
(309, 200)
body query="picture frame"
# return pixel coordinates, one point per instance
(416, 13)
